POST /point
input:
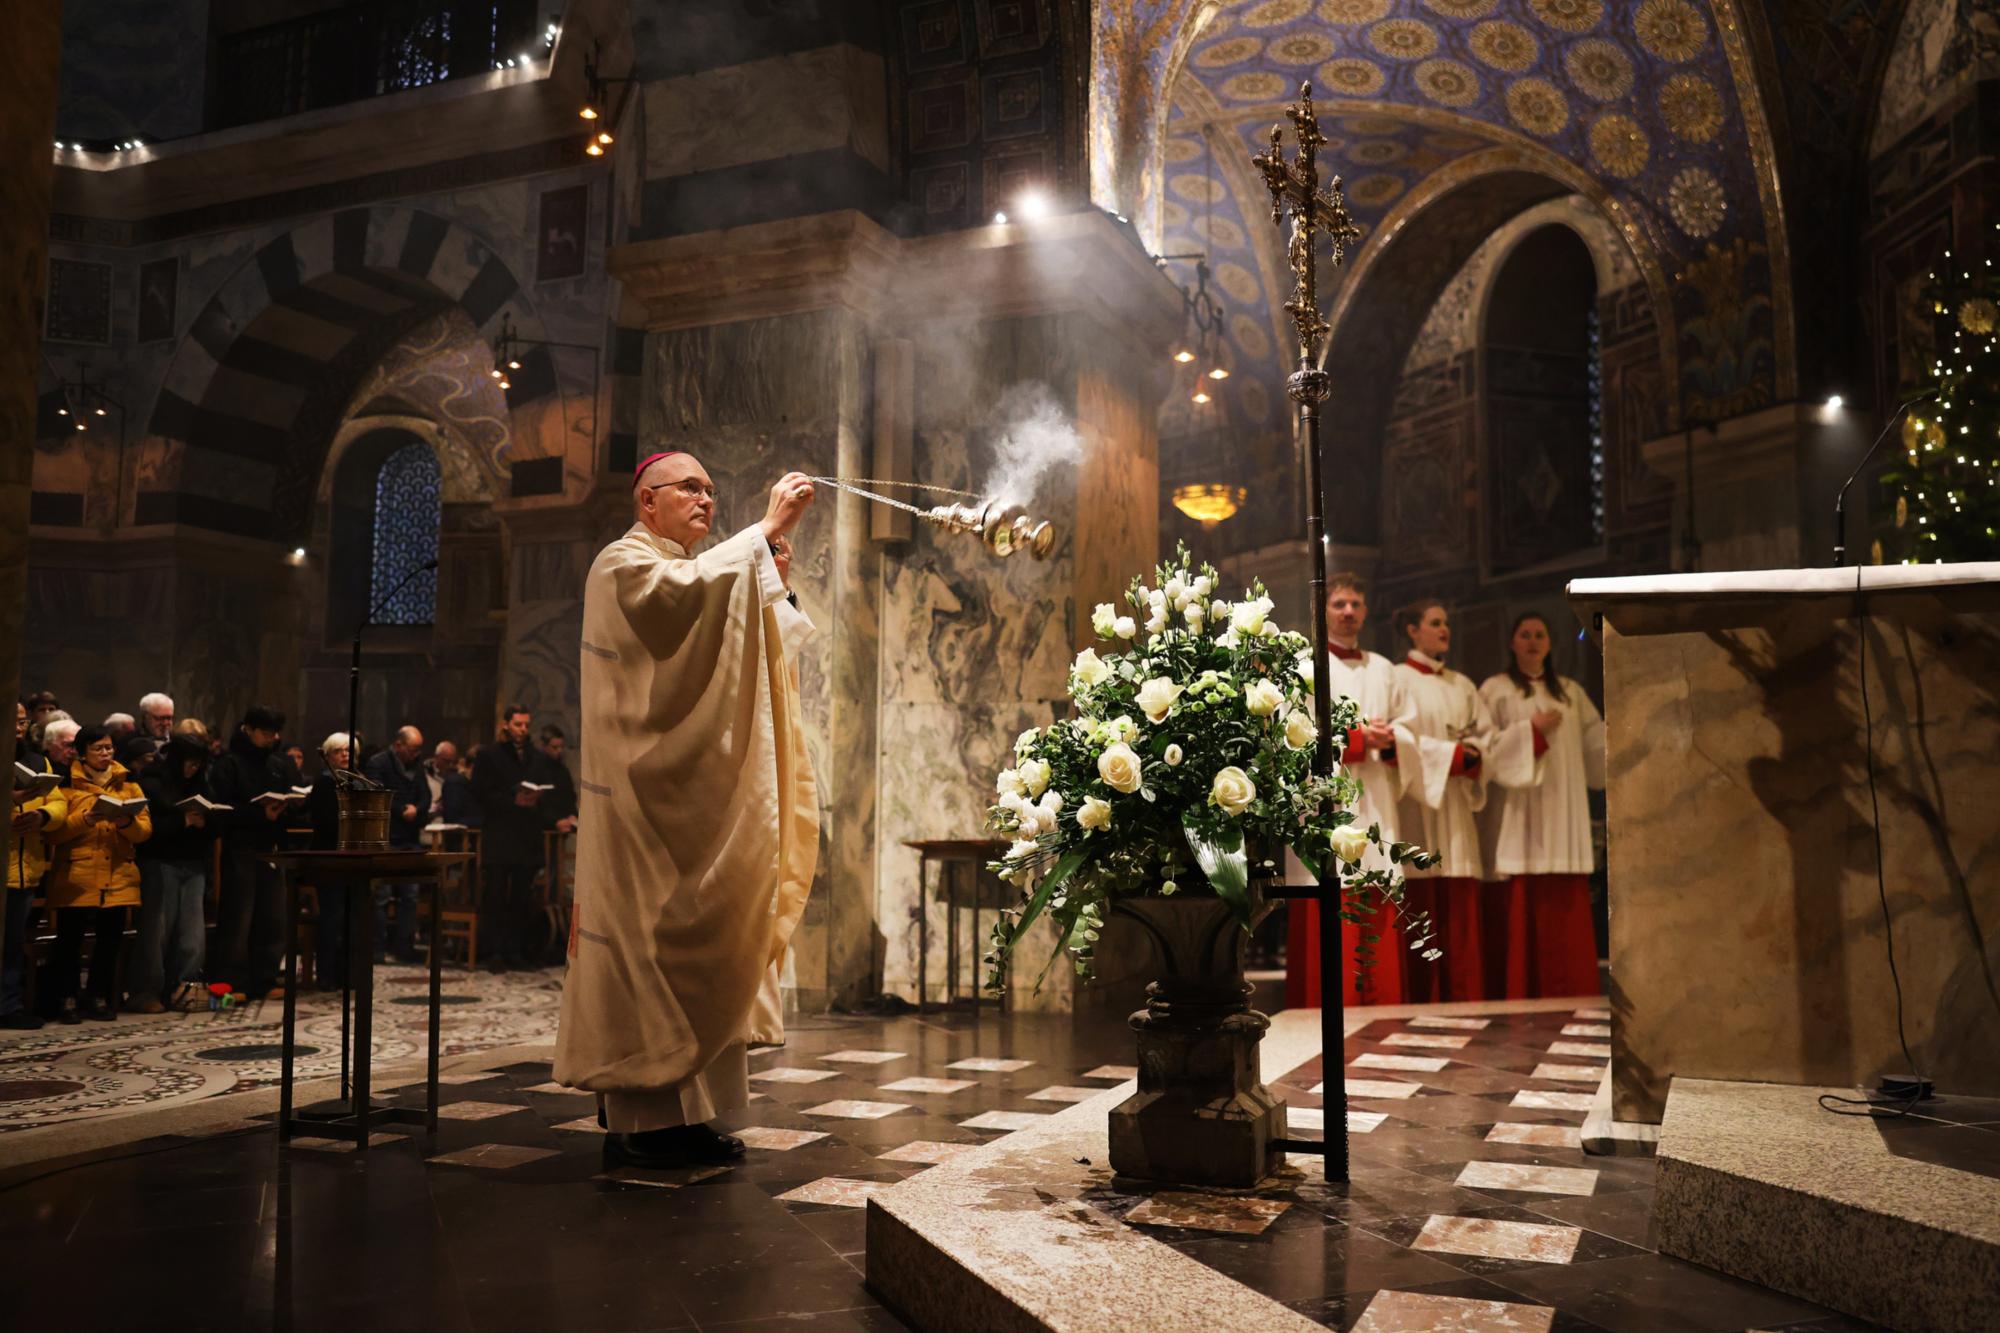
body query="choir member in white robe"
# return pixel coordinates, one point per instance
(1536, 837)
(698, 826)
(1368, 754)
(1447, 755)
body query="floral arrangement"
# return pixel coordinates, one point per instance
(1190, 750)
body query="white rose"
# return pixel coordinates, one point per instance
(1299, 730)
(1233, 791)
(1089, 668)
(1173, 756)
(1119, 767)
(1035, 776)
(1156, 698)
(1124, 627)
(1349, 842)
(1248, 617)
(1103, 618)
(1262, 698)
(1095, 813)
(1305, 667)
(1195, 619)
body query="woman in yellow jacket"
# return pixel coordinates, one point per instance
(94, 877)
(34, 817)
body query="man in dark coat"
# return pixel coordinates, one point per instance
(166, 963)
(400, 770)
(250, 927)
(505, 778)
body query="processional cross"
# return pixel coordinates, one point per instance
(1295, 191)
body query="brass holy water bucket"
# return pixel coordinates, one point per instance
(364, 818)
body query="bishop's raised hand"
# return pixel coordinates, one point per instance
(790, 499)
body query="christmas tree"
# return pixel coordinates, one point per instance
(1945, 491)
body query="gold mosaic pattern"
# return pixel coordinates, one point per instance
(1599, 69)
(1569, 15)
(1182, 150)
(1238, 281)
(1375, 190)
(1691, 107)
(1504, 45)
(1619, 145)
(1537, 106)
(1274, 13)
(1231, 51)
(1256, 401)
(1173, 214)
(1197, 188)
(1260, 86)
(1222, 233)
(1671, 29)
(1350, 77)
(1460, 9)
(1696, 201)
(1404, 39)
(1250, 336)
(1377, 152)
(1352, 11)
(1300, 48)
(1448, 82)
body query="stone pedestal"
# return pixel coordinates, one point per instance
(1202, 1115)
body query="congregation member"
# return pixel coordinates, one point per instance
(42, 707)
(1448, 753)
(37, 813)
(93, 879)
(323, 814)
(1367, 753)
(58, 740)
(156, 716)
(120, 727)
(1536, 835)
(505, 780)
(250, 927)
(399, 769)
(166, 967)
(137, 753)
(674, 956)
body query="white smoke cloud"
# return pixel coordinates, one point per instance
(1032, 435)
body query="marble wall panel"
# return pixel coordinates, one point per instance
(802, 102)
(1747, 935)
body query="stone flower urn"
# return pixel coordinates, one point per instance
(1202, 1115)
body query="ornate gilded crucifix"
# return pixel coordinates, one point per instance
(1295, 190)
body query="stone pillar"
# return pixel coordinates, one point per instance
(29, 37)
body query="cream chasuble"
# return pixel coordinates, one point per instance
(1439, 805)
(698, 821)
(1542, 827)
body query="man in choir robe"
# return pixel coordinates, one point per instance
(698, 828)
(1367, 752)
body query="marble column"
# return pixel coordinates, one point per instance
(29, 37)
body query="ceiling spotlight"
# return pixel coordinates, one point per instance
(495, 373)
(513, 364)
(526, 57)
(1834, 402)
(79, 425)
(101, 412)
(62, 411)
(999, 219)
(604, 137)
(298, 553)
(506, 385)
(1032, 205)
(594, 148)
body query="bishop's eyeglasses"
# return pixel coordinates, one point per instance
(689, 488)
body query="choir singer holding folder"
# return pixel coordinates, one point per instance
(699, 824)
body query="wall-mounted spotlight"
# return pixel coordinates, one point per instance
(1834, 402)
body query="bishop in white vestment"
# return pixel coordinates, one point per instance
(698, 819)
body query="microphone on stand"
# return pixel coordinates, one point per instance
(1840, 500)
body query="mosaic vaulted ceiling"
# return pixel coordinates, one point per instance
(1639, 102)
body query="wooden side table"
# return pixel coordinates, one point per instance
(951, 854)
(358, 872)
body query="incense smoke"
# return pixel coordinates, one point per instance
(1031, 436)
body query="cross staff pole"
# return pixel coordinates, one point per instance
(1313, 212)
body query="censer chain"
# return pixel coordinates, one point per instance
(856, 487)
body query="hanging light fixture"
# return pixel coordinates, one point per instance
(1209, 503)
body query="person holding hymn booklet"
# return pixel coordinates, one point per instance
(697, 844)
(40, 807)
(1536, 835)
(250, 926)
(1368, 753)
(510, 777)
(1447, 755)
(165, 972)
(94, 878)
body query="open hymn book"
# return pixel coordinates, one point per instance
(35, 784)
(275, 796)
(203, 804)
(112, 807)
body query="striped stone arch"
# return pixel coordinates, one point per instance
(258, 386)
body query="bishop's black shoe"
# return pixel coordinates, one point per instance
(670, 1149)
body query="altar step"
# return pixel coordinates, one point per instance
(1893, 1221)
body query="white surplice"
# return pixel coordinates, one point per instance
(1372, 683)
(1439, 809)
(1542, 827)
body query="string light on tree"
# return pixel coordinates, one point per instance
(1945, 503)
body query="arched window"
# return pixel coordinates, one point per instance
(408, 509)
(1542, 404)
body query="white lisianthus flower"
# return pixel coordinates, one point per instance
(1010, 783)
(1201, 587)
(1089, 669)
(1248, 617)
(1103, 618)
(1176, 591)
(1195, 619)
(1218, 610)
(1230, 639)
(1035, 776)
(1157, 622)
(1017, 805)
(1026, 739)
(1349, 842)
(1299, 730)
(1232, 790)
(1083, 727)
(1050, 806)
(1121, 729)
(1095, 813)
(1156, 698)
(1305, 667)
(1124, 627)
(1270, 630)
(1173, 756)
(1262, 698)
(1119, 767)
